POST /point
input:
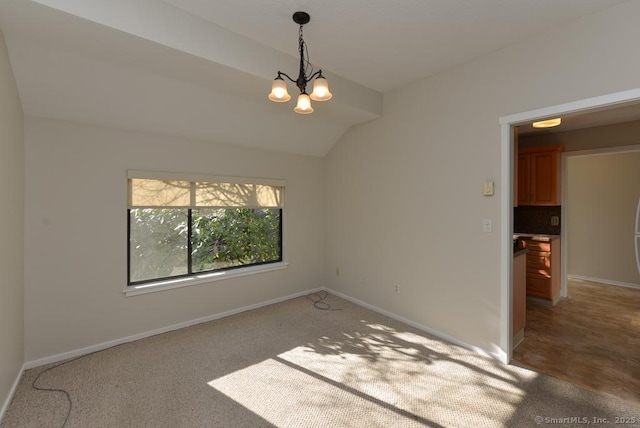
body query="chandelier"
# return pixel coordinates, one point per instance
(279, 93)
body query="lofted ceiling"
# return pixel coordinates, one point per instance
(203, 68)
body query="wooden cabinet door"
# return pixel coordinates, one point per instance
(544, 181)
(539, 173)
(543, 268)
(524, 182)
(519, 294)
(539, 263)
(538, 286)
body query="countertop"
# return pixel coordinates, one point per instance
(536, 236)
(519, 252)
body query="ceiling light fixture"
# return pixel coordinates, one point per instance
(279, 93)
(547, 123)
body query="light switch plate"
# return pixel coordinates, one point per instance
(487, 189)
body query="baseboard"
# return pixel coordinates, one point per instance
(12, 392)
(543, 302)
(111, 343)
(604, 281)
(517, 339)
(499, 356)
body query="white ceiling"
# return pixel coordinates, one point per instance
(597, 117)
(202, 68)
(385, 44)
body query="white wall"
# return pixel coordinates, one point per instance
(403, 205)
(601, 216)
(76, 234)
(11, 225)
(404, 193)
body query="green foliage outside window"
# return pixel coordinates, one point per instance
(220, 239)
(233, 237)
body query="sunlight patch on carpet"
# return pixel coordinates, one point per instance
(288, 397)
(373, 379)
(417, 379)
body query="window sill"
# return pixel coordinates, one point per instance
(170, 284)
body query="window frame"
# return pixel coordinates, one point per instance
(192, 278)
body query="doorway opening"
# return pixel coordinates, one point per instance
(508, 123)
(584, 107)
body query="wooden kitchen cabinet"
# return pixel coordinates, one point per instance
(543, 269)
(519, 297)
(539, 176)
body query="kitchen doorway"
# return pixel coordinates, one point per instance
(582, 107)
(585, 107)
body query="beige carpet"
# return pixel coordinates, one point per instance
(291, 365)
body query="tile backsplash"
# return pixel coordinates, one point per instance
(536, 220)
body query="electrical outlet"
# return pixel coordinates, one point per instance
(555, 220)
(397, 288)
(487, 225)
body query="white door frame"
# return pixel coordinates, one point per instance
(506, 195)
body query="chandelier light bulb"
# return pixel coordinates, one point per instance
(304, 104)
(279, 93)
(321, 90)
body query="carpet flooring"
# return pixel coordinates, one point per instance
(292, 365)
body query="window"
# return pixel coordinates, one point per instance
(189, 225)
